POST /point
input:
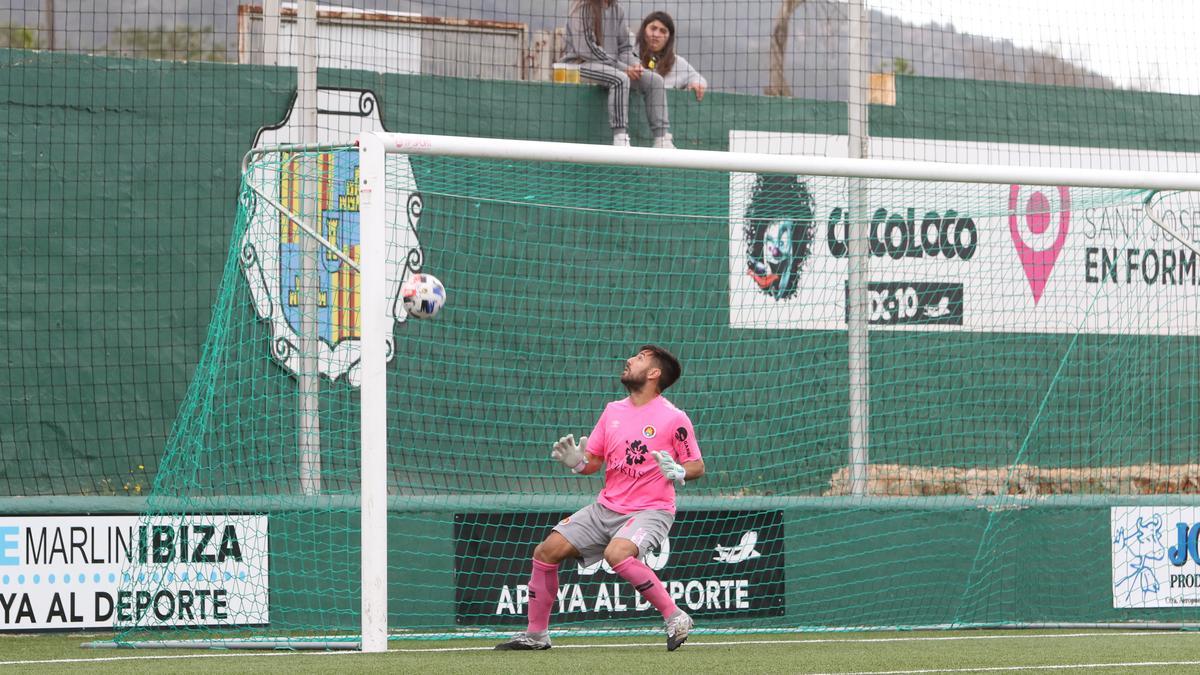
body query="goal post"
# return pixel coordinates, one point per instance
(376, 326)
(561, 258)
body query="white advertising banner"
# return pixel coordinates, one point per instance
(1009, 258)
(1155, 560)
(101, 571)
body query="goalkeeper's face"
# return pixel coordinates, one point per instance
(637, 368)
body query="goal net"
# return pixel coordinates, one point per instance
(1025, 370)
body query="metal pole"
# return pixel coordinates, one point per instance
(270, 44)
(308, 374)
(48, 24)
(858, 340)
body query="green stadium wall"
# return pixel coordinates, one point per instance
(120, 191)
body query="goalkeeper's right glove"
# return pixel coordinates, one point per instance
(571, 455)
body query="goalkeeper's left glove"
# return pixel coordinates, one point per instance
(672, 470)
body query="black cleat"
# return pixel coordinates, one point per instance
(524, 642)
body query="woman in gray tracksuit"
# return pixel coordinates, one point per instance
(598, 40)
(656, 51)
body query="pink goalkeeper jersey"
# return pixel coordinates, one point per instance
(625, 436)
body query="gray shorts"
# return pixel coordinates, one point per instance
(591, 528)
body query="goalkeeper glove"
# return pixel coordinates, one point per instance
(569, 453)
(672, 470)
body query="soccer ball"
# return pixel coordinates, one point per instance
(423, 296)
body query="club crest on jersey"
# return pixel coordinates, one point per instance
(648, 431)
(273, 248)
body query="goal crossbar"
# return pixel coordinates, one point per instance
(578, 153)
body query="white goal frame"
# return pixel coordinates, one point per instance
(373, 149)
(373, 207)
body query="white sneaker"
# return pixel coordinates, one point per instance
(664, 142)
(524, 642)
(678, 627)
(621, 140)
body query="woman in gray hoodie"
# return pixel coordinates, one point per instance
(598, 40)
(656, 51)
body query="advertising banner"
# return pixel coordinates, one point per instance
(1155, 559)
(101, 571)
(964, 257)
(714, 564)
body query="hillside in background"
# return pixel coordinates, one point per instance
(727, 41)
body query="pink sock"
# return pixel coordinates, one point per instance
(646, 582)
(543, 591)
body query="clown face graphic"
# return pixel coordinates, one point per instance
(778, 234)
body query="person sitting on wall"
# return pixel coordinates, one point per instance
(598, 40)
(656, 51)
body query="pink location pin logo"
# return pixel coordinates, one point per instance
(1038, 261)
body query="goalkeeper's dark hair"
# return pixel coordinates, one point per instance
(667, 363)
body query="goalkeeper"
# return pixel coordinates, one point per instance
(649, 447)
